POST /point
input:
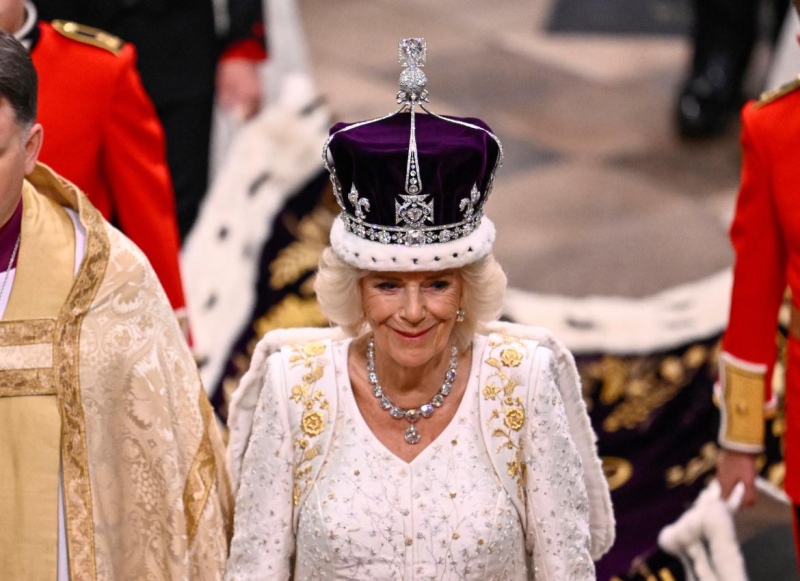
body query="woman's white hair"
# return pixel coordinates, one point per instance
(339, 295)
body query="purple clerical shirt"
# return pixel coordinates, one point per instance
(9, 232)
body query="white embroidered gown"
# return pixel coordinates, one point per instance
(370, 515)
(444, 515)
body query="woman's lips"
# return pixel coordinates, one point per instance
(411, 335)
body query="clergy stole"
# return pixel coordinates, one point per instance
(30, 422)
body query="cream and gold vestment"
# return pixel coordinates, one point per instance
(98, 389)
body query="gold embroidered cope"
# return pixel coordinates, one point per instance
(146, 493)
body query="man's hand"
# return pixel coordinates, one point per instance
(733, 467)
(238, 87)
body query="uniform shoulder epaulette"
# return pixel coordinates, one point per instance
(89, 35)
(775, 94)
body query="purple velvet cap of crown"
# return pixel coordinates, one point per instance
(457, 159)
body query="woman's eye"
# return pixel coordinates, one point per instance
(439, 284)
(386, 286)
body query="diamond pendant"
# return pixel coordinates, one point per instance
(412, 435)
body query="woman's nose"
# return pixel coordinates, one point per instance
(413, 309)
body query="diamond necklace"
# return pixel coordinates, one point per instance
(10, 262)
(411, 415)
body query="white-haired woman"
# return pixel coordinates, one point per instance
(339, 293)
(414, 441)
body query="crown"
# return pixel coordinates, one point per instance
(411, 186)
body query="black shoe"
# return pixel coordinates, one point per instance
(711, 97)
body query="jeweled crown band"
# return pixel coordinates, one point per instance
(408, 237)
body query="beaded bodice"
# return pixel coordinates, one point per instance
(445, 515)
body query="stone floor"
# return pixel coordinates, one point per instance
(597, 195)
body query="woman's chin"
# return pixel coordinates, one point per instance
(414, 350)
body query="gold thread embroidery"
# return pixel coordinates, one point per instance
(636, 386)
(617, 471)
(313, 423)
(200, 479)
(314, 419)
(699, 466)
(665, 574)
(515, 419)
(500, 388)
(26, 332)
(301, 256)
(66, 358)
(292, 311)
(19, 382)
(510, 357)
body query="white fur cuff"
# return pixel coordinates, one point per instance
(371, 255)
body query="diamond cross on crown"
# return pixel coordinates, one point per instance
(412, 52)
(413, 211)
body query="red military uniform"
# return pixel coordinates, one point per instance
(766, 238)
(101, 132)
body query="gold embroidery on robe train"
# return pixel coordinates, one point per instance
(617, 471)
(298, 260)
(701, 465)
(302, 255)
(638, 386)
(293, 311)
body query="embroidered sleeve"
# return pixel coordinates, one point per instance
(263, 540)
(557, 505)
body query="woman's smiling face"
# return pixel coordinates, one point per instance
(412, 314)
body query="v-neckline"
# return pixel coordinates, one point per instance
(374, 440)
